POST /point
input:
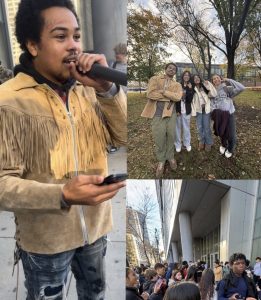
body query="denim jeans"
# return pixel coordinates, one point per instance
(46, 275)
(204, 131)
(183, 124)
(230, 143)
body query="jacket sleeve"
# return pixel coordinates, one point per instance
(153, 89)
(115, 112)
(17, 194)
(221, 291)
(237, 88)
(178, 107)
(154, 296)
(174, 96)
(212, 90)
(189, 95)
(193, 105)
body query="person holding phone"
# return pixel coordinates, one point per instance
(161, 284)
(132, 283)
(55, 127)
(223, 110)
(237, 285)
(204, 91)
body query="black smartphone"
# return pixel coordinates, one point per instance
(114, 178)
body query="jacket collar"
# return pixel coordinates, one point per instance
(26, 67)
(23, 81)
(163, 76)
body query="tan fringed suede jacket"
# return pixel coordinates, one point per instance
(161, 89)
(41, 146)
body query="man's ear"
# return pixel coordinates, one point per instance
(32, 48)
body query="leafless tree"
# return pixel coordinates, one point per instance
(232, 16)
(140, 217)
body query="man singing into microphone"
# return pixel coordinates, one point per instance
(53, 137)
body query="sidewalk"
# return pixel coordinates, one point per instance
(115, 258)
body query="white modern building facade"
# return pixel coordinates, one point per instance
(209, 220)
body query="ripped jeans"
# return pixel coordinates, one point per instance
(46, 275)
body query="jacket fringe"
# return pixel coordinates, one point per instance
(40, 144)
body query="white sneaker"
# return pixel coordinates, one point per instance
(228, 154)
(222, 149)
(178, 149)
(188, 148)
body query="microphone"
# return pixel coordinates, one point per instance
(106, 73)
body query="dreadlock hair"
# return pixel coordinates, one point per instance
(29, 21)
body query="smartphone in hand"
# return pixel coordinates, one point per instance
(114, 178)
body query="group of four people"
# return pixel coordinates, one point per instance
(171, 104)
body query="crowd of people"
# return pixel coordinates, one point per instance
(171, 105)
(235, 279)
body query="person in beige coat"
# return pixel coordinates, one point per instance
(162, 92)
(55, 124)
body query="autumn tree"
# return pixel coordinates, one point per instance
(147, 41)
(185, 23)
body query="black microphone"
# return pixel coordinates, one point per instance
(106, 73)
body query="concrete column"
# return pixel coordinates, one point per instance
(109, 18)
(237, 218)
(186, 236)
(175, 255)
(169, 256)
(84, 11)
(5, 48)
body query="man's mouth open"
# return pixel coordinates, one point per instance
(68, 60)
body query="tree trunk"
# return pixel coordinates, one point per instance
(230, 63)
(146, 254)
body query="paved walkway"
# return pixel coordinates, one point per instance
(115, 258)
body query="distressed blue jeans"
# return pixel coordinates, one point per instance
(46, 275)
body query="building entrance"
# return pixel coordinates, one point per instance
(213, 258)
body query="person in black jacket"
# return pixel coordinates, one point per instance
(151, 278)
(183, 109)
(236, 284)
(132, 283)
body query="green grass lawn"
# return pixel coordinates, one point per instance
(244, 164)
